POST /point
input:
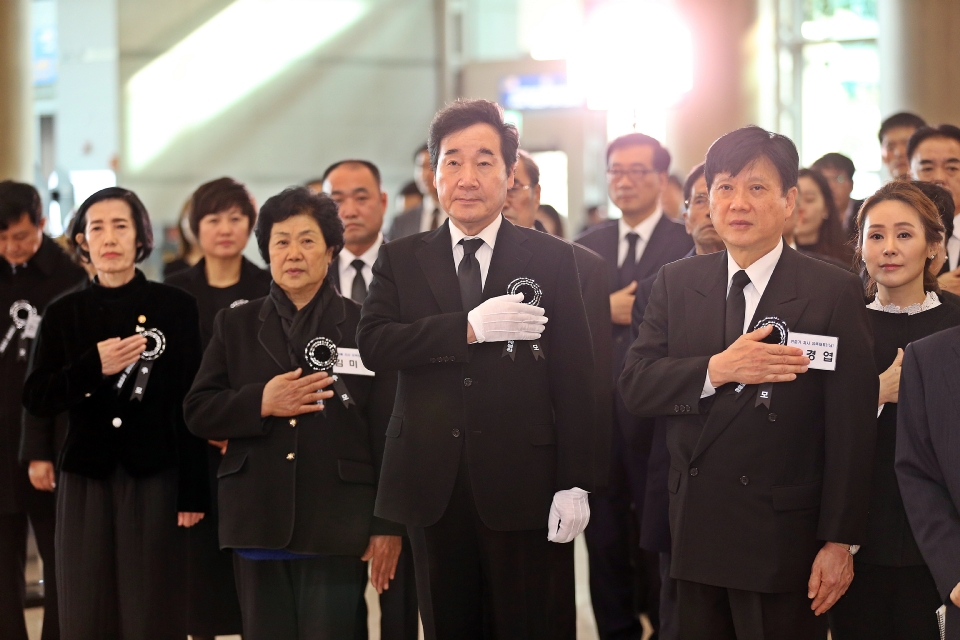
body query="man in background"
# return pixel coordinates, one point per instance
(895, 131)
(429, 215)
(838, 169)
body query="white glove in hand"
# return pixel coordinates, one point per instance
(506, 318)
(569, 515)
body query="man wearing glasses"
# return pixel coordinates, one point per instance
(838, 169)
(634, 248)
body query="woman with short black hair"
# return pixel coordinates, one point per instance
(119, 356)
(298, 481)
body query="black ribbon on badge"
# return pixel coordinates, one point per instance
(777, 336)
(531, 295)
(21, 313)
(156, 345)
(321, 355)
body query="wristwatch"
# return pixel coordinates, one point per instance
(851, 548)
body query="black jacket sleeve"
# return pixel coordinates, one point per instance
(194, 487)
(379, 406)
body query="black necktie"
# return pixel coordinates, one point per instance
(628, 269)
(471, 287)
(736, 308)
(358, 292)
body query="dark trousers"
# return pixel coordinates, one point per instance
(887, 603)
(120, 558)
(399, 617)
(717, 613)
(41, 511)
(669, 619)
(624, 579)
(475, 583)
(305, 599)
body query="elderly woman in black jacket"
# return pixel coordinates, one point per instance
(306, 432)
(119, 356)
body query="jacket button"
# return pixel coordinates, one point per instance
(744, 480)
(467, 382)
(293, 422)
(688, 408)
(291, 456)
(676, 408)
(117, 422)
(694, 471)
(433, 359)
(772, 417)
(86, 395)
(455, 433)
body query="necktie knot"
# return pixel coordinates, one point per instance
(358, 264)
(740, 280)
(471, 246)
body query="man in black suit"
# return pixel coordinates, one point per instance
(769, 461)
(634, 247)
(361, 203)
(492, 434)
(655, 519)
(428, 215)
(928, 460)
(523, 201)
(838, 169)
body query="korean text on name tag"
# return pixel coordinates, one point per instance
(822, 350)
(349, 362)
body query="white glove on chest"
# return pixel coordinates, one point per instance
(569, 515)
(506, 318)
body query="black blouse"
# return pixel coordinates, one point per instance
(108, 426)
(889, 540)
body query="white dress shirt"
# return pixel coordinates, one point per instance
(759, 273)
(346, 269)
(953, 244)
(426, 214)
(484, 254)
(644, 230)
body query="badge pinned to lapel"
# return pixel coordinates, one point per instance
(321, 354)
(532, 294)
(25, 320)
(156, 345)
(778, 335)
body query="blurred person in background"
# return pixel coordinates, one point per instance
(671, 200)
(894, 133)
(943, 201)
(298, 481)
(551, 221)
(189, 252)
(222, 215)
(428, 215)
(655, 521)
(634, 248)
(838, 169)
(934, 154)
(409, 197)
(361, 204)
(595, 214)
(894, 594)
(818, 227)
(119, 356)
(33, 271)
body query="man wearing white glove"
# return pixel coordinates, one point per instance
(490, 446)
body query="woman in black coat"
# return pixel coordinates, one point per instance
(119, 356)
(893, 595)
(305, 436)
(222, 215)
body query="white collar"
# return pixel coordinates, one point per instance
(760, 271)
(930, 301)
(644, 229)
(956, 228)
(369, 256)
(428, 204)
(488, 234)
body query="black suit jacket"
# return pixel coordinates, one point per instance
(406, 223)
(526, 425)
(928, 457)
(320, 500)
(757, 491)
(668, 242)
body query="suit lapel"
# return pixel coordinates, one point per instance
(333, 273)
(654, 250)
(271, 336)
(706, 299)
(435, 256)
(608, 244)
(509, 260)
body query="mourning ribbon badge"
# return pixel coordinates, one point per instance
(321, 355)
(24, 318)
(531, 295)
(777, 336)
(156, 345)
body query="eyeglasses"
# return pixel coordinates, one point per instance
(634, 173)
(518, 188)
(699, 200)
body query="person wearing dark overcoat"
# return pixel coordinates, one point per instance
(770, 445)
(221, 217)
(305, 424)
(34, 270)
(119, 356)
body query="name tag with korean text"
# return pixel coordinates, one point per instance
(30, 329)
(349, 363)
(822, 350)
